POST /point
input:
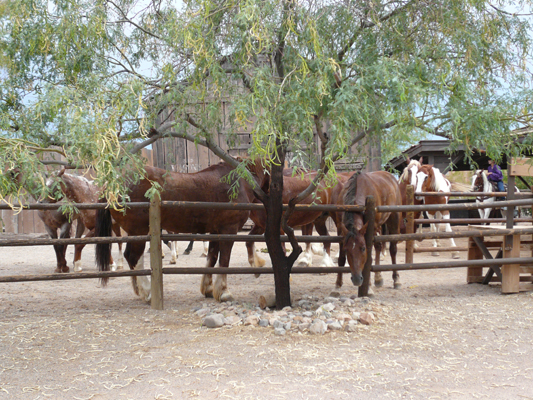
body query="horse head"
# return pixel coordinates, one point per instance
(354, 245)
(478, 181)
(353, 230)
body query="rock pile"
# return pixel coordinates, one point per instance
(308, 314)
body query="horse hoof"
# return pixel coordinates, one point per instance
(397, 285)
(113, 267)
(77, 266)
(172, 262)
(378, 283)
(456, 255)
(435, 254)
(227, 296)
(257, 275)
(370, 292)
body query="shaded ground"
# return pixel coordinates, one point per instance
(436, 338)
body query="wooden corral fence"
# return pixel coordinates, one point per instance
(156, 271)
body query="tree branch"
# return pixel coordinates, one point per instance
(370, 24)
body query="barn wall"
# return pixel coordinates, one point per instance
(181, 155)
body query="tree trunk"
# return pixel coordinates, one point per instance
(280, 262)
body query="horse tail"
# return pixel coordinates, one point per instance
(103, 228)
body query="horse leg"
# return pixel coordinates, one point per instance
(253, 258)
(395, 274)
(220, 289)
(118, 233)
(448, 228)
(326, 258)
(378, 279)
(189, 248)
(64, 233)
(393, 227)
(77, 254)
(134, 255)
(206, 249)
(59, 250)
(306, 258)
(173, 252)
(342, 262)
(206, 285)
(432, 228)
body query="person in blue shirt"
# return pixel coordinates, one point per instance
(495, 175)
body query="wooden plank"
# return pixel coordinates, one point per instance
(410, 226)
(520, 166)
(474, 274)
(526, 287)
(511, 272)
(10, 220)
(192, 156)
(156, 261)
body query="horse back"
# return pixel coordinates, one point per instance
(381, 185)
(203, 186)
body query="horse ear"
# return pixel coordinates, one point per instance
(344, 230)
(421, 160)
(362, 231)
(61, 172)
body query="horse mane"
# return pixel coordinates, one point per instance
(349, 198)
(439, 182)
(405, 173)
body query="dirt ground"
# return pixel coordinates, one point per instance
(436, 338)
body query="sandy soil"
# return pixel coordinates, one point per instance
(437, 338)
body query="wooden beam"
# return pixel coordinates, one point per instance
(156, 261)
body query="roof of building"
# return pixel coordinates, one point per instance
(437, 152)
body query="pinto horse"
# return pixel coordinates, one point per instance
(481, 183)
(350, 225)
(432, 180)
(80, 190)
(206, 185)
(409, 177)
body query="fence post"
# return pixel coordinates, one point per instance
(156, 262)
(409, 224)
(369, 217)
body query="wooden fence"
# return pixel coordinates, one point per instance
(156, 271)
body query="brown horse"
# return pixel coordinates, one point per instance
(79, 189)
(56, 224)
(320, 224)
(385, 190)
(207, 185)
(432, 180)
(55, 221)
(292, 187)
